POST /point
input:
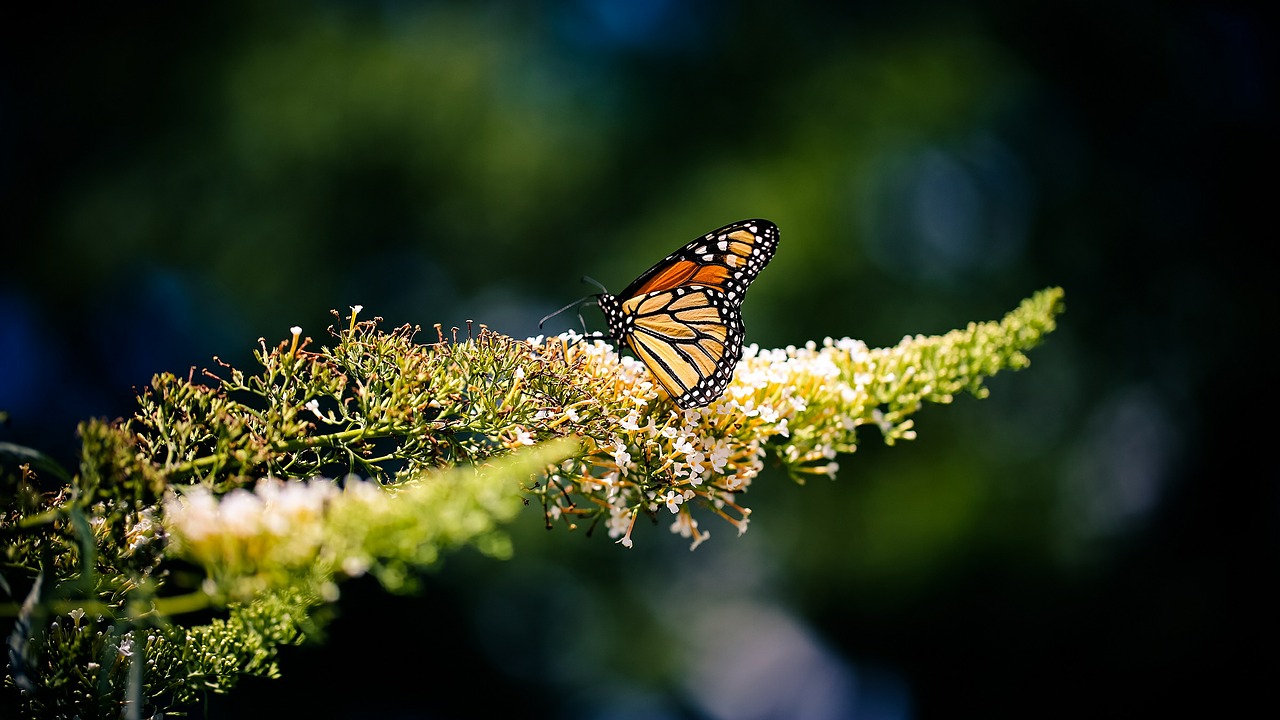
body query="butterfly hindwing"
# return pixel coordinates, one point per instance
(689, 338)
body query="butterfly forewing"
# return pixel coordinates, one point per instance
(727, 259)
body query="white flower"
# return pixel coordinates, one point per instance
(881, 421)
(355, 566)
(683, 446)
(522, 436)
(781, 428)
(621, 521)
(194, 514)
(719, 454)
(610, 480)
(684, 525)
(696, 470)
(651, 429)
(240, 513)
(621, 457)
(142, 532)
(768, 414)
(329, 591)
(292, 507)
(673, 500)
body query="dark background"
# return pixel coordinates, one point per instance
(1098, 537)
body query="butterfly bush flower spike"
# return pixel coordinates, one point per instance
(801, 406)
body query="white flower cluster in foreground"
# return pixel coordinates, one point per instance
(278, 526)
(303, 533)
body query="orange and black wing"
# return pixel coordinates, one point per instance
(689, 338)
(727, 260)
(683, 317)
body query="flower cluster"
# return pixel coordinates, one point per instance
(278, 526)
(803, 405)
(303, 533)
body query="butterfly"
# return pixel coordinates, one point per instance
(683, 317)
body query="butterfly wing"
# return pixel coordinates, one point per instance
(689, 338)
(682, 317)
(727, 259)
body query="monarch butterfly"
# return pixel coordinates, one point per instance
(682, 318)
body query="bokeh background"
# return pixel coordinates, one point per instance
(1098, 537)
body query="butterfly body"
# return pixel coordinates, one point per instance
(682, 318)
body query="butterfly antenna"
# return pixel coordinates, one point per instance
(583, 322)
(605, 290)
(593, 281)
(579, 301)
